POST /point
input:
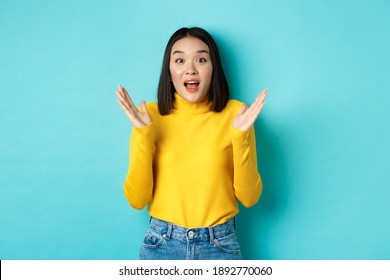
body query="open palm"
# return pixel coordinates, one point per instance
(247, 116)
(138, 118)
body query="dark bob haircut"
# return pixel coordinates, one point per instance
(219, 89)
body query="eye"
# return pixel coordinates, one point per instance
(179, 60)
(202, 60)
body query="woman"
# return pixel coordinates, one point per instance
(192, 154)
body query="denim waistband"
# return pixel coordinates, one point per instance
(169, 230)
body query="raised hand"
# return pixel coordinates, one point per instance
(247, 116)
(138, 118)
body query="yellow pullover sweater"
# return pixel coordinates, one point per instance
(192, 165)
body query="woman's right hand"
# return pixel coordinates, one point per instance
(138, 118)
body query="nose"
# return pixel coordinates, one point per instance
(191, 69)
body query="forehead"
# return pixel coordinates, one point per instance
(189, 45)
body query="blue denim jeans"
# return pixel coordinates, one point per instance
(166, 241)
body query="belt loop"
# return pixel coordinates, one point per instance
(169, 232)
(234, 220)
(211, 233)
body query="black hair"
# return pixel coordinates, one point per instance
(219, 89)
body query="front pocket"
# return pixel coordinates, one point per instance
(228, 244)
(152, 240)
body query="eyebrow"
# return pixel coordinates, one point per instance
(200, 51)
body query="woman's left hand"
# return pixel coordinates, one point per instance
(246, 117)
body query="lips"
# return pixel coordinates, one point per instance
(191, 85)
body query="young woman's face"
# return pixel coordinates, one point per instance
(191, 69)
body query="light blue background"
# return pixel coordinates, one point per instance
(322, 138)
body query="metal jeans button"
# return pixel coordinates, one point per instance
(190, 233)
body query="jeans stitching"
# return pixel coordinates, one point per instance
(149, 246)
(219, 246)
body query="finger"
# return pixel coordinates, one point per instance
(264, 94)
(255, 114)
(126, 111)
(254, 110)
(120, 97)
(124, 94)
(127, 98)
(125, 108)
(123, 101)
(261, 97)
(255, 107)
(121, 90)
(260, 100)
(121, 94)
(259, 109)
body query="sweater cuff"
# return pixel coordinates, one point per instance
(142, 138)
(240, 135)
(143, 131)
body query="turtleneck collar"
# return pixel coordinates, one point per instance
(182, 105)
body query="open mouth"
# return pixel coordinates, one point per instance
(191, 85)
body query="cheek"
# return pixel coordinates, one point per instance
(175, 73)
(175, 79)
(208, 74)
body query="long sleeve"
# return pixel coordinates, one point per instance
(247, 181)
(191, 167)
(138, 185)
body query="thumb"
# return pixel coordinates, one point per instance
(143, 106)
(242, 109)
